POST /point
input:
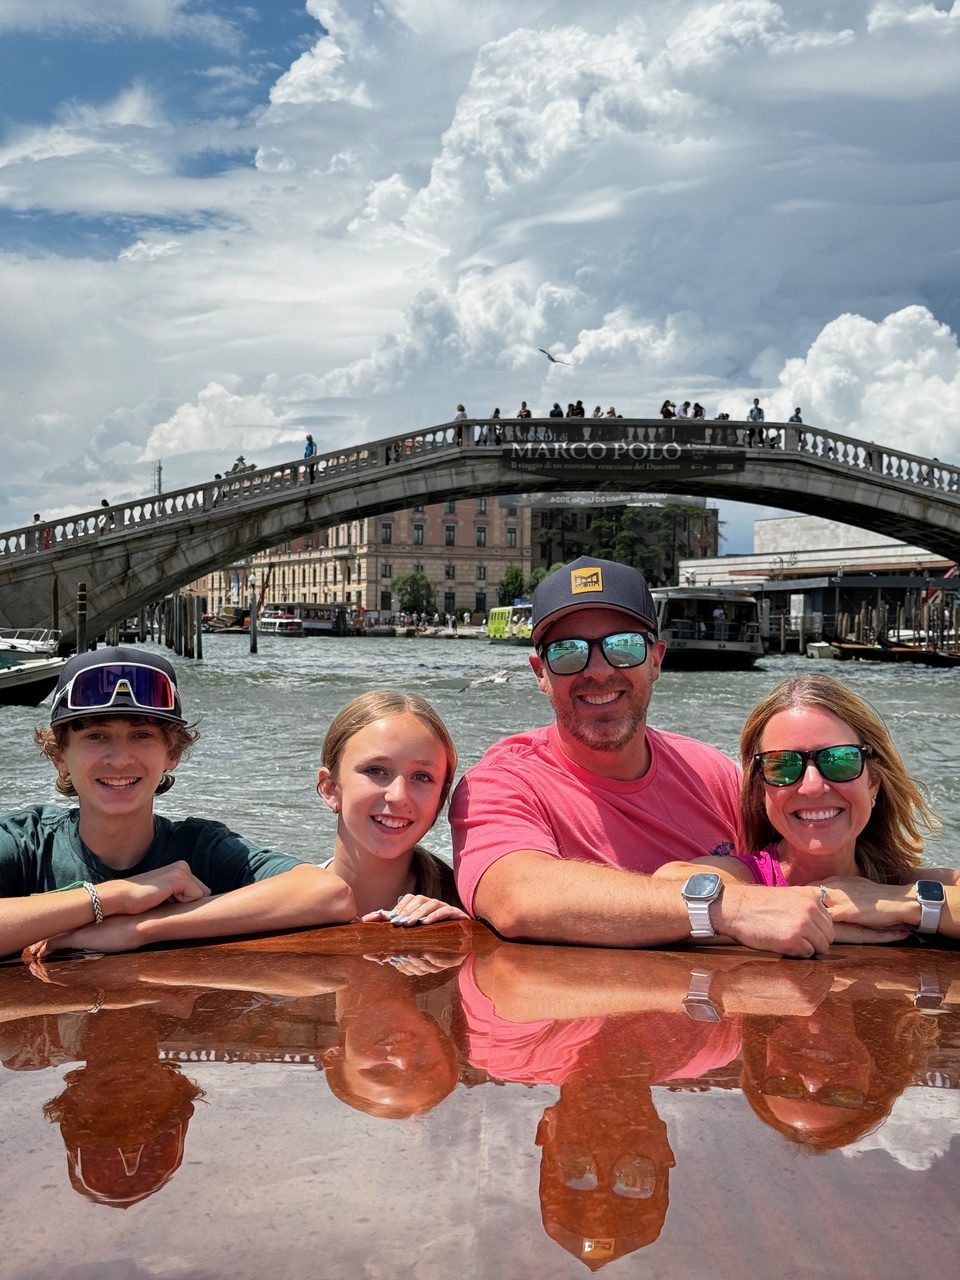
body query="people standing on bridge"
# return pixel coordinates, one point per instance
(310, 451)
(698, 410)
(667, 409)
(556, 411)
(795, 416)
(110, 874)
(684, 410)
(597, 411)
(755, 415)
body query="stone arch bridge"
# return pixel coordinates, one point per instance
(133, 553)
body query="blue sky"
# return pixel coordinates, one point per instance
(222, 224)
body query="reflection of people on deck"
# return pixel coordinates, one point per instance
(395, 1058)
(606, 1157)
(825, 1081)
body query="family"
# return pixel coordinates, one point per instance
(596, 829)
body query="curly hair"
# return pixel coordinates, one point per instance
(52, 742)
(889, 847)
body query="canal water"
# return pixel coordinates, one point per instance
(263, 717)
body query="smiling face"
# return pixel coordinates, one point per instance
(602, 710)
(387, 786)
(116, 764)
(817, 819)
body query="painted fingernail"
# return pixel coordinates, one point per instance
(400, 920)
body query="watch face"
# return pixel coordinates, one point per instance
(930, 891)
(702, 887)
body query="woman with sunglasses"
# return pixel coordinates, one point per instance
(826, 800)
(109, 874)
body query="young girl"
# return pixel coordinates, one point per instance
(109, 874)
(388, 762)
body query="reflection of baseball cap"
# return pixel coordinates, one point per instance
(589, 583)
(600, 1209)
(122, 1176)
(117, 682)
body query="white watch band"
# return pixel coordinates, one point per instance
(929, 916)
(701, 925)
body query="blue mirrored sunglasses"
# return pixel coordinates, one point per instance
(621, 649)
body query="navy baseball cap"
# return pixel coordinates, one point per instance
(590, 583)
(117, 681)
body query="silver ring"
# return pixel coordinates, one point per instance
(823, 894)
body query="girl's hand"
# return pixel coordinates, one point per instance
(415, 908)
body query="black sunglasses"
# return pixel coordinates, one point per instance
(836, 764)
(620, 648)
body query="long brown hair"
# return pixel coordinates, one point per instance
(889, 847)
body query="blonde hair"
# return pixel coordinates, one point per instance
(52, 742)
(889, 847)
(433, 876)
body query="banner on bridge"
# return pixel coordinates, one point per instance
(615, 456)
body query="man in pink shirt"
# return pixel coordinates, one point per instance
(556, 831)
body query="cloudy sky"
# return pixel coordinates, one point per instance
(224, 224)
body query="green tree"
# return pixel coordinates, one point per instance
(512, 584)
(654, 539)
(414, 593)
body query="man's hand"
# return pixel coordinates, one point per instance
(791, 922)
(116, 934)
(133, 896)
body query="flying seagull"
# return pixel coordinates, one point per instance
(552, 359)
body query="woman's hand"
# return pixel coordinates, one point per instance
(416, 908)
(119, 933)
(854, 900)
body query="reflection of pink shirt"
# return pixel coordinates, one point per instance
(764, 866)
(526, 794)
(548, 1051)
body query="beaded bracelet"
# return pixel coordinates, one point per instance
(94, 902)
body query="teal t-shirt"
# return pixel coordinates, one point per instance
(41, 849)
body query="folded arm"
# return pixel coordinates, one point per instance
(304, 895)
(25, 920)
(531, 895)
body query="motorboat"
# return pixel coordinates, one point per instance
(27, 683)
(30, 643)
(273, 622)
(511, 624)
(709, 628)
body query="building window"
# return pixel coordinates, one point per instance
(449, 535)
(418, 535)
(449, 570)
(386, 601)
(481, 573)
(450, 602)
(419, 507)
(481, 535)
(450, 508)
(480, 602)
(386, 531)
(481, 506)
(511, 511)
(511, 535)
(418, 568)
(386, 571)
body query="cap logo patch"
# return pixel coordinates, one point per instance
(584, 580)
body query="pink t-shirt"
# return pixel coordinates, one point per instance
(548, 1051)
(764, 866)
(526, 794)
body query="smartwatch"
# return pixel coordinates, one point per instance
(929, 999)
(697, 1003)
(930, 895)
(698, 893)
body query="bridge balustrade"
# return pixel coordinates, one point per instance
(333, 468)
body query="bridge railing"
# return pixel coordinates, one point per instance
(560, 434)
